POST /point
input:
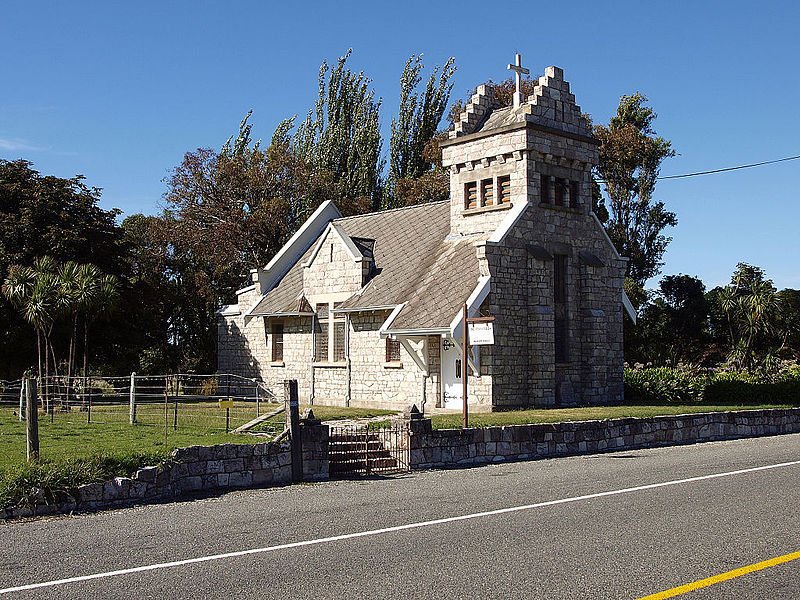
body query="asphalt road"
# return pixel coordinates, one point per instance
(621, 545)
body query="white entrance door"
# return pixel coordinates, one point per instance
(452, 390)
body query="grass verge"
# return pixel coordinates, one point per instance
(74, 452)
(587, 413)
(53, 482)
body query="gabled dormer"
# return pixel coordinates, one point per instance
(338, 267)
(538, 152)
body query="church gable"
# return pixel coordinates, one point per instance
(336, 269)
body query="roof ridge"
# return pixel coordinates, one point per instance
(388, 210)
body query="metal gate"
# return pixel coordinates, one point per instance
(365, 450)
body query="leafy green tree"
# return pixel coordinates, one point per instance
(46, 215)
(341, 134)
(99, 303)
(71, 289)
(674, 324)
(415, 128)
(630, 160)
(751, 311)
(789, 320)
(36, 293)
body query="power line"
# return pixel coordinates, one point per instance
(758, 164)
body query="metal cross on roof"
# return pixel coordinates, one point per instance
(518, 70)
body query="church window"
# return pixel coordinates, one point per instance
(277, 342)
(321, 334)
(330, 335)
(574, 193)
(561, 191)
(392, 350)
(544, 189)
(561, 338)
(471, 195)
(561, 330)
(339, 340)
(487, 192)
(331, 252)
(504, 191)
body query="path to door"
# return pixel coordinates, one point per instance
(621, 525)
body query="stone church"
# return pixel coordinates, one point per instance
(367, 310)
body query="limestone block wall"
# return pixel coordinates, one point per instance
(241, 349)
(466, 447)
(196, 469)
(479, 160)
(330, 385)
(373, 381)
(333, 271)
(297, 352)
(522, 301)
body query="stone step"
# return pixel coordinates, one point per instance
(354, 466)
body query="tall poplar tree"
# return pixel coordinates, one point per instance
(341, 134)
(415, 127)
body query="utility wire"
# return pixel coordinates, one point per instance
(758, 164)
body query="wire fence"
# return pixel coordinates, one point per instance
(180, 402)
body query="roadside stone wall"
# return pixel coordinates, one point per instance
(196, 469)
(475, 446)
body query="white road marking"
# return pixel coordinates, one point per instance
(347, 536)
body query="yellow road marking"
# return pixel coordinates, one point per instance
(689, 587)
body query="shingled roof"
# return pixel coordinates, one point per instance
(405, 242)
(414, 263)
(287, 296)
(439, 290)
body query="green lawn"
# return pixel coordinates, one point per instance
(556, 415)
(110, 433)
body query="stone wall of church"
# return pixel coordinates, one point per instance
(333, 271)
(296, 363)
(374, 381)
(240, 347)
(522, 300)
(477, 161)
(247, 351)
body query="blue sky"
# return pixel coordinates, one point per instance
(120, 91)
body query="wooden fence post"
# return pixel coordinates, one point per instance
(132, 400)
(31, 421)
(293, 425)
(21, 399)
(166, 415)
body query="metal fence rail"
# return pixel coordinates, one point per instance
(364, 450)
(11, 400)
(180, 401)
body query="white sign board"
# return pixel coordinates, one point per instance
(481, 334)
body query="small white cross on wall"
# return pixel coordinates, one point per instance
(518, 70)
